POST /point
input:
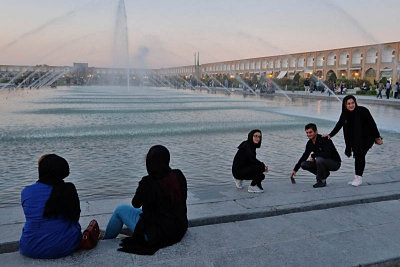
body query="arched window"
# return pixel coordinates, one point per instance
(285, 62)
(310, 61)
(277, 63)
(300, 63)
(264, 64)
(371, 56)
(387, 54)
(292, 62)
(271, 64)
(320, 60)
(343, 59)
(356, 58)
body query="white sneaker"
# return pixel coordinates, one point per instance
(239, 183)
(254, 189)
(351, 182)
(357, 181)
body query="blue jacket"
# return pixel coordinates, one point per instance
(42, 237)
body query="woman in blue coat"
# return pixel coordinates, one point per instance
(52, 211)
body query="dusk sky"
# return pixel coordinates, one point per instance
(166, 33)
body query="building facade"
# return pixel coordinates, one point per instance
(371, 62)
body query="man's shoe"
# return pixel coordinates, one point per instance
(254, 189)
(239, 183)
(357, 181)
(319, 184)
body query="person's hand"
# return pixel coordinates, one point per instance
(293, 174)
(311, 159)
(326, 135)
(266, 168)
(378, 141)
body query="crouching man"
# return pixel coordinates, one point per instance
(324, 157)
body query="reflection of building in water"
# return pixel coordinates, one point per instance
(370, 62)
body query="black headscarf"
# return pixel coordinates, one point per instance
(53, 169)
(250, 138)
(63, 201)
(345, 111)
(157, 162)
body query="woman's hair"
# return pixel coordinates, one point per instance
(344, 109)
(250, 138)
(157, 161)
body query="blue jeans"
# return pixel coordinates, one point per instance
(123, 214)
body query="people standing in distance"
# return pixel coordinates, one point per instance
(246, 166)
(324, 157)
(360, 133)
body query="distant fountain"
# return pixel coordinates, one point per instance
(237, 77)
(326, 87)
(280, 89)
(216, 80)
(120, 52)
(201, 82)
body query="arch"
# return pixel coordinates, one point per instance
(242, 66)
(372, 55)
(246, 66)
(310, 61)
(329, 73)
(356, 58)
(387, 54)
(320, 60)
(300, 62)
(331, 61)
(292, 62)
(271, 64)
(342, 74)
(264, 64)
(285, 62)
(370, 73)
(258, 65)
(252, 65)
(344, 58)
(278, 63)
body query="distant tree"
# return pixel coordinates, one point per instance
(332, 77)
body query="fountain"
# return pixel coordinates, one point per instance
(120, 51)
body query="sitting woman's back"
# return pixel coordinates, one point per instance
(162, 195)
(52, 210)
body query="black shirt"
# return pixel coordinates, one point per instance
(323, 147)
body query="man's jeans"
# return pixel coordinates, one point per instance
(321, 167)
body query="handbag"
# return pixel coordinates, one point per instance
(90, 236)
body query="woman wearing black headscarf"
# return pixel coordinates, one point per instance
(360, 133)
(158, 215)
(246, 166)
(52, 210)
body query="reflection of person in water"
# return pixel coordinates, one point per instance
(360, 133)
(246, 166)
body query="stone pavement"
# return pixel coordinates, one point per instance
(288, 225)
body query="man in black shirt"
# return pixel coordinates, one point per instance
(324, 157)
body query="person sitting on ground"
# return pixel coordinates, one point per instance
(246, 166)
(52, 211)
(324, 157)
(158, 215)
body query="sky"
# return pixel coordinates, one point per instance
(167, 33)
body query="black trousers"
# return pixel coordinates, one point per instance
(359, 163)
(321, 167)
(249, 173)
